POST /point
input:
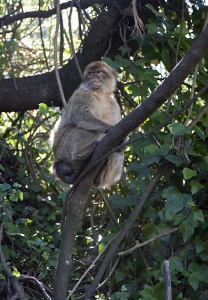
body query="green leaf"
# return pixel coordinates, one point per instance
(156, 12)
(199, 245)
(20, 195)
(169, 191)
(11, 228)
(196, 271)
(43, 108)
(162, 228)
(204, 119)
(175, 264)
(178, 218)
(188, 173)
(152, 28)
(194, 282)
(15, 272)
(195, 186)
(147, 293)
(120, 275)
(35, 187)
(178, 129)
(5, 186)
(15, 195)
(200, 133)
(159, 290)
(45, 255)
(2, 168)
(206, 246)
(122, 62)
(198, 215)
(124, 50)
(120, 296)
(149, 230)
(176, 159)
(177, 201)
(182, 30)
(187, 229)
(111, 63)
(151, 148)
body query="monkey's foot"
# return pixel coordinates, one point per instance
(71, 178)
(65, 172)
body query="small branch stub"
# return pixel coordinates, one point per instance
(167, 281)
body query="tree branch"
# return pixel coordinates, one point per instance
(8, 19)
(32, 90)
(78, 200)
(121, 235)
(139, 245)
(13, 279)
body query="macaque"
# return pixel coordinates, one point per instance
(90, 112)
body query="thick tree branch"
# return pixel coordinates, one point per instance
(8, 19)
(78, 200)
(121, 235)
(30, 91)
(42, 88)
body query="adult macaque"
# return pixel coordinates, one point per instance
(90, 112)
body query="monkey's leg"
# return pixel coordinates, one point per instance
(86, 153)
(102, 169)
(64, 172)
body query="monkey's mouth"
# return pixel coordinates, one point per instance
(95, 84)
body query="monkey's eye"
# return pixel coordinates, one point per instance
(90, 74)
(100, 72)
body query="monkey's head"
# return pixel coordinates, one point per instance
(99, 76)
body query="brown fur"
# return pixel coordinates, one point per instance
(88, 115)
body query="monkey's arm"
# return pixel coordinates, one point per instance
(89, 122)
(86, 113)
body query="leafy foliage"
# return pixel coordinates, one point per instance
(32, 198)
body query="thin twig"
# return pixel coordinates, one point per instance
(198, 117)
(139, 26)
(42, 39)
(56, 51)
(72, 44)
(139, 245)
(9, 54)
(179, 40)
(110, 274)
(37, 282)
(194, 78)
(90, 267)
(108, 208)
(11, 278)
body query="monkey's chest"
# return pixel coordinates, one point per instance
(110, 114)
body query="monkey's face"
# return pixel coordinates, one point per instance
(99, 76)
(96, 79)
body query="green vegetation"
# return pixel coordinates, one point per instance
(32, 199)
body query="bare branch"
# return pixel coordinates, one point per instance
(56, 53)
(8, 19)
(139, 245)
(18, 292)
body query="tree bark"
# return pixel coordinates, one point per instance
(43, 88)
(26, 93)
(78, 199)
